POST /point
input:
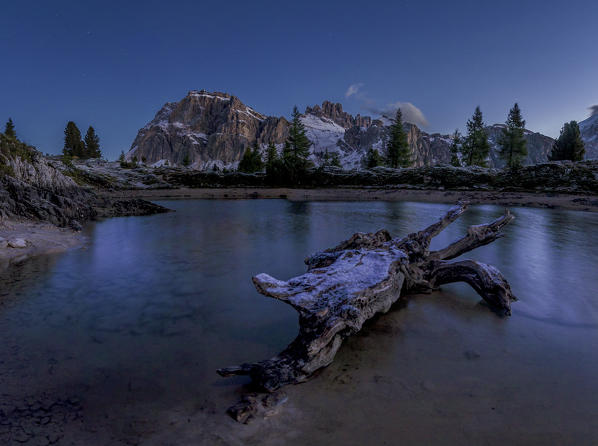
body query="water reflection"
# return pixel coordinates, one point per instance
(157, 304)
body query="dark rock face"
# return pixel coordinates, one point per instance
(60, 207)
(108, 207)
(210, 129)
(36, 190)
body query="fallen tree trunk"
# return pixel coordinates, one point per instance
(350, 283)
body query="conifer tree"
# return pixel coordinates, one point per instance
(9, 129)
(569, 145)
(256, 158)
(186, 160)
(275, 166)
(73, 146)
(252, 160)
(92, 144)
(455, 149)
(475, 147)
(245, 163)
(335, 160)
(513, 146)
(398, 153)
(271, 156)
(325, 157)
(372, 159)
(330, 159)
(296, 149)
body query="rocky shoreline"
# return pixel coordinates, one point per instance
(576, 202)
(563, 185)
(42, 208)
(22, 240)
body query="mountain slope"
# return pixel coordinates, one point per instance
(589, 134)
(213, 129)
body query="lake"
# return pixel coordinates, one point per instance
(118, 342)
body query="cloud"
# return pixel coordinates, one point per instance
(593, 110)
(353, 89)
(410, 112)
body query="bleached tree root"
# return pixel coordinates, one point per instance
(346, 285)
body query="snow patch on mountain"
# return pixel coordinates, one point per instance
(323, 133)
(202, 94)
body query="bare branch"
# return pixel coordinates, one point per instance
(488, 281)
(477, 236)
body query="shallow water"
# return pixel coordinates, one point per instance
(125, 335)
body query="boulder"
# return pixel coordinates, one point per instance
(18, 243)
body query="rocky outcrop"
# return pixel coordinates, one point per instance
(33, 188)
(213, 129)
(335, 113)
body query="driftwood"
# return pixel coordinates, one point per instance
(350, 283)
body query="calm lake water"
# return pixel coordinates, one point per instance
(119, 341)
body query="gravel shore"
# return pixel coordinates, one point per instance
(21, 240)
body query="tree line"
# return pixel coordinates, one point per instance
(291, 165)
(74, 146)
(473, 149)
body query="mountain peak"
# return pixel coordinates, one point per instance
(335, 112)
(208, 94)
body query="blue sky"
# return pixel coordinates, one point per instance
(114, 64)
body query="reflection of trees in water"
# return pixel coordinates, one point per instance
(299, 207)
(299, 219)
(24, 279)
(404, 217)
(397, 210)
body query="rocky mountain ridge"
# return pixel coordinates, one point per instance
(207, 130)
